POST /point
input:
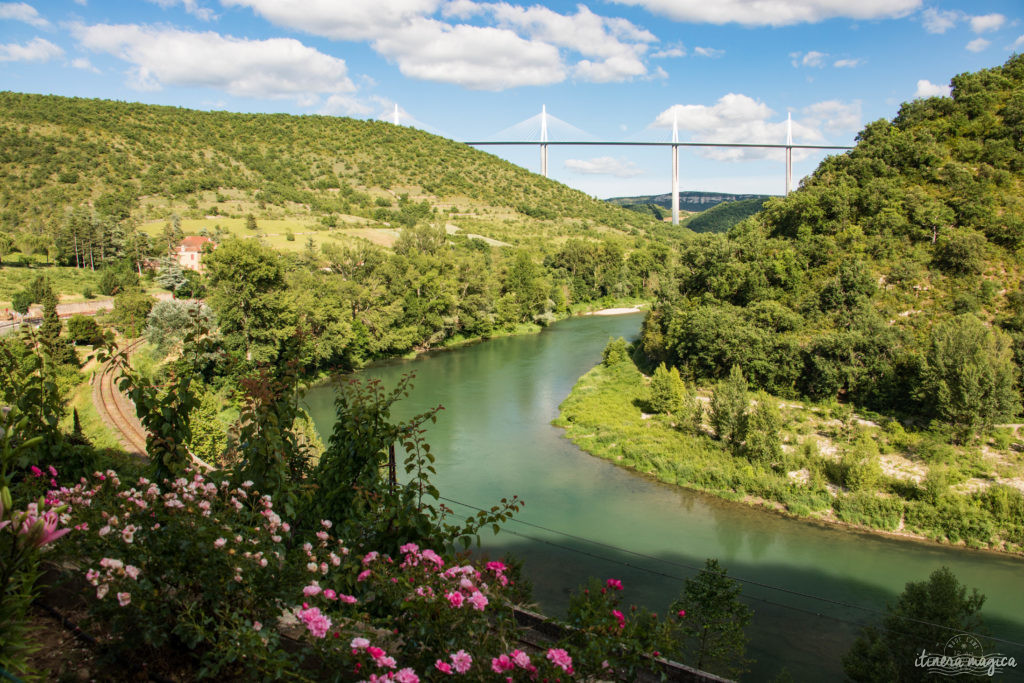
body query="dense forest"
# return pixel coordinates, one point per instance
(890, 279)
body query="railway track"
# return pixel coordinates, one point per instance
(116, 409)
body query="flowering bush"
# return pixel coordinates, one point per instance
(25, 530)
(201, 565)
(191, 564)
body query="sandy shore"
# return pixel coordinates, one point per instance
(616, 311)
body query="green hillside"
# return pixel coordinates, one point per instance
(722, 217)
(146, 162)
(690, 201)
(868, 284)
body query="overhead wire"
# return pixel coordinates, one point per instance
(838, 603)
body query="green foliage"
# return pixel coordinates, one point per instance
(209, 435)
(667, 390)
(763, 442)
(615, 351)
(170, 322)
(21, 301)
(729, 409)
(970, 376)
(245, 291)
(925, 616)
(84, 330)
(722, 217)
(713, 622)
(131, 308)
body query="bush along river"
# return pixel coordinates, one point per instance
(811, 587)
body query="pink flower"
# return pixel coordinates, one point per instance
(257, 626)
(363, 575)
(123, 599)
(386, 662)
(619, 618)
(220, 543)
(317, 623)
(330, 594)
(430, 556)
(501, 664)
(560, 658)
(521, 659)
(101, 591)
(406, 675)
(462, 660)
(478, 600)
(375, 652)
(681, 613)
(409, 548)
(311, 590)
(370, 557)
(131, 571)
(443, 667)
(347, 599)
(359, 643)
(455, 599)
(614, 583)
(36, 472)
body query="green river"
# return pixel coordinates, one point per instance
(810, 586)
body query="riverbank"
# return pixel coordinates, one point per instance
(907, 485)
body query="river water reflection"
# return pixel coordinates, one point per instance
(494, 439)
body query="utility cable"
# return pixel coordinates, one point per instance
(751, 582)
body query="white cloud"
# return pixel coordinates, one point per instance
(346, 105)
(620, 168)
(987, 22)
(737, 118)
(618, 44)
(810, 59)
(774, 12)
(84, 64)
(1018, 43)
(670, 51)
(926, 88)
(36, 50)
(478, 58)
(274, 68)
(21, 11)
(833, 115)
(517, 45)
(191, 6)
(708, 52)
(939, 21)
(978, 44)
(344, 20)
(847, 63)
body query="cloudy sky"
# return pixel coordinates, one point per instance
(624, 70)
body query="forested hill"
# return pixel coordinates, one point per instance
(890, 278)
(123, 158)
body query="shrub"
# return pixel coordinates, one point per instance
(615, 352)
(83, 330)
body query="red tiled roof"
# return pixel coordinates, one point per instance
(194, 243)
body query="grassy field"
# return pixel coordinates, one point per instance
(908, 482)
(284, 234)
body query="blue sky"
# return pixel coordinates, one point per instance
(725, 70)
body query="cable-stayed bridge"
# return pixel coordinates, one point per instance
(537, 130)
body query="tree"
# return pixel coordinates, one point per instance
(615, 352)
(130, 310)
(729, 409)
(245, 291)
(713, 619)
(763, 443)
(667, 390)
(926, 615)
(250, 222)
(84, 330)
(970, 375)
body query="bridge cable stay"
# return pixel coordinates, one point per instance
(759, 584)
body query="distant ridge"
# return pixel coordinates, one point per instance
(691, 200)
